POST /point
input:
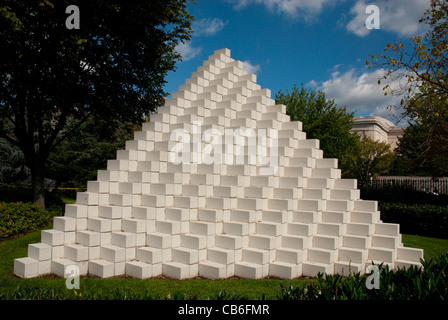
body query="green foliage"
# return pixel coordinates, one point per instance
(321, 118)
(427, 283)
(12, 164)
(16, 218)
(424, 220)
(367, 159)
(423, 150)
(78, 159)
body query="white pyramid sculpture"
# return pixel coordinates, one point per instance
(148, 215)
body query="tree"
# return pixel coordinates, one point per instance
(78, 158)
(368, 159)
(421, 156)
(421, 68)
(112, 67)
(322, 119)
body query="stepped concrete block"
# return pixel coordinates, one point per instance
(327, 163)
(312, 269)
(212, 270)
(360, 229)
(101, 268)
(176, 270)
(218, 203)
(311, 205)
(275, 216)
(353, 255)
(77, 211)
(290, 255)
(320, 183)
(410, 254)
(257, 256)
(249, 204)
(87, 198)
(384, 241)
(185, 255)
(331, 229)
(406, 264)
(194, 241)
(210, 215)
(288, 193)
(110, 212)
(76, 252)
(52, 237)
(348, 268)
(358, 242)
(133, 225)
(306, 216)
(204, 228)
(124, 239)
(344, 194)
(144, 213)
(345, 184)
(248, 270)
(381, 254)
(159, 240)
(295, 242)
(365, 205)
(26, 267)
(322, 255)
(301, 229)
(327, 242)
(228, 241)
(236, 228)
(64, 224)
(315, 193)
(297, 172)
(291, 182)
(270, 229)
(335, 216)
(99, 186)
(168, 227)
(263, 242)
(59, 267)
(99, 224)
(39, 251)
(281, 204)
(113, 253)
(388, 229)
(323, 173)
(221, 256)
(284, 270)
(365, 217)
(292, 125)
(149, 214)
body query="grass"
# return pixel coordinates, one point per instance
(160, 288)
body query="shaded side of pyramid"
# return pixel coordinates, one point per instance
(274, 207)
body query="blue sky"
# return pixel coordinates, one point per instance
(320, 43)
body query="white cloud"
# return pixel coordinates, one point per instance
(208, 26)
(187, 51)
(360, 93)
(291, 8)
(251, 68)
(398, 16)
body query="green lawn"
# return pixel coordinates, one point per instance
(159, 288)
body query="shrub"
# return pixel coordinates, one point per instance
(424, 220)
(19, 217)
(427, 283)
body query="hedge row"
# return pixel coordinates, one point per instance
(427, 283)
(19, 217)
(424, 220)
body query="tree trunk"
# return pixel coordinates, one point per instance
(38, 181)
